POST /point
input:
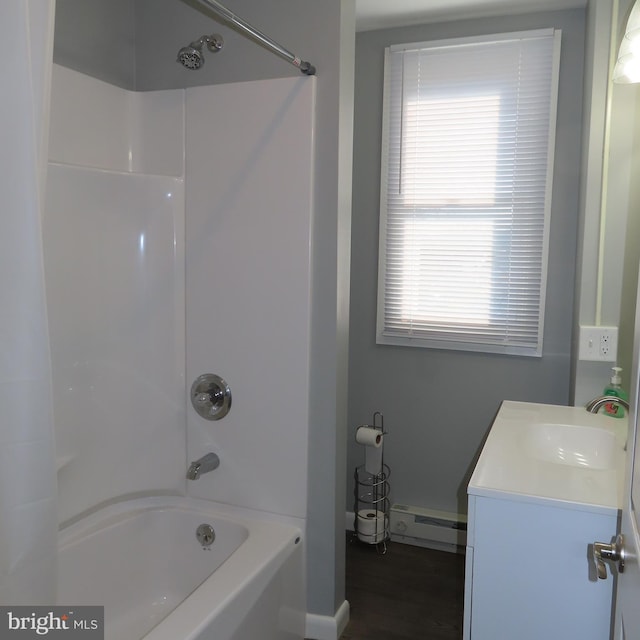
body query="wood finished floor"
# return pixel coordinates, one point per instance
(410, 593)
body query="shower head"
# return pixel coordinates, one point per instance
(191, 57)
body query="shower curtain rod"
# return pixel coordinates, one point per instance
(306, 67)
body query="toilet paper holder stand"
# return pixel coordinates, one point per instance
(371, 492)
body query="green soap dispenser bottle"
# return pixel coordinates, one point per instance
(614, 388)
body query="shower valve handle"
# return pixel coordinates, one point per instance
(211, 396)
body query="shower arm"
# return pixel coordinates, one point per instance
(306, 67)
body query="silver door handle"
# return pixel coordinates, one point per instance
(613, 552)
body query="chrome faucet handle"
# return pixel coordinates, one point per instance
(211, 396)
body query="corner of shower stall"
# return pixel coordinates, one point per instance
(177, 242)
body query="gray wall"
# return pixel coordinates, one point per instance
(97, 37)
(323, 33)
(438, 405)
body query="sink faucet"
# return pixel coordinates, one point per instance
(205, 464)
(600, 401)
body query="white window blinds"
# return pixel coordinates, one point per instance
(466, 181)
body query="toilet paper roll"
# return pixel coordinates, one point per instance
(369, 436)
(372, 439)
(371, 527)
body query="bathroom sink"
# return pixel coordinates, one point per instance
(571, 445)
(542, 452)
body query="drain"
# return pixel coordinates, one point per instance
(206, 535)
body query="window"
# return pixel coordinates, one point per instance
(467, 162)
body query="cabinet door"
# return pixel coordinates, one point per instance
(532, 576)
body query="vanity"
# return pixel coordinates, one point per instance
(548, 483)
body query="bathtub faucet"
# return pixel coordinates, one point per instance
(203, 465)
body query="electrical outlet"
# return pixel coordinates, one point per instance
(598, 343)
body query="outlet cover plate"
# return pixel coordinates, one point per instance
(598, 344)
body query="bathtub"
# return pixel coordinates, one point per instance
(141, 559)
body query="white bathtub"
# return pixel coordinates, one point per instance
(142, 561)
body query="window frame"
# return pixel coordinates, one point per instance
(432, 341)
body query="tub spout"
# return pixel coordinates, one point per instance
(203, 465)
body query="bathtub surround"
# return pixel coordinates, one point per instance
(118, 327)
(27, 453)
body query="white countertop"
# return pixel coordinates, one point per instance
(508, 469)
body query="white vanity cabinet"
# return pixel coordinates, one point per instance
(528, 572)
(531, 523)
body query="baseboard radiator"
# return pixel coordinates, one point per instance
(428, 527)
